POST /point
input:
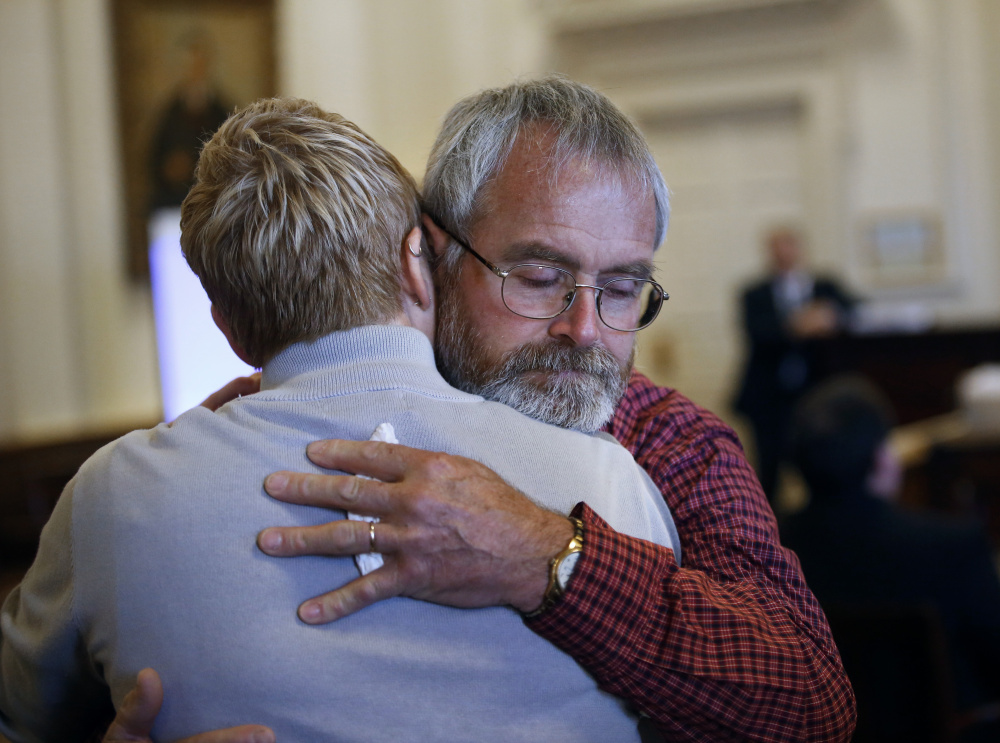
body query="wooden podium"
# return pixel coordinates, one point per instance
(916, 371)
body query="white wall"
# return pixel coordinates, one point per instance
(395, 67)
(35, 284)
(920, 140)
(899, 109)
(76, 346)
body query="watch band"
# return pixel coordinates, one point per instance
(555, 589)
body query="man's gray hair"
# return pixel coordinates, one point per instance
(295, 224)
(479, 133)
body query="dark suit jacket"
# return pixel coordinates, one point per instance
(778, 367)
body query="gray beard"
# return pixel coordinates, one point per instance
(584, 401)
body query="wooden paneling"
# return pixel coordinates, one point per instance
(917, 372)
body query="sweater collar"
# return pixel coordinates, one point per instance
(363, 358)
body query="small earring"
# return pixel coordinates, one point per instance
(415, 252)
(417, 303)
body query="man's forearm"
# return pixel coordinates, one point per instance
(705, 659)
(733, 645)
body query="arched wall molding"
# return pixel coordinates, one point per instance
(575, 15)
(814, 94)
(664, 58)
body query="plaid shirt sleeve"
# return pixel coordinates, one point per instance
(731, 646)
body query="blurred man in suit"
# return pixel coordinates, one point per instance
(780, 314)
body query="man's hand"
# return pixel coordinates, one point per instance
(237, 388)
(818, 319)
(451, 530)
(134, 721)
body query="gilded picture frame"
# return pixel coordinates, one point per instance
(181, 67)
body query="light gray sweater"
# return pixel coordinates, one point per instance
(150, 560)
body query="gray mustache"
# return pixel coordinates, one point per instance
(597, 361)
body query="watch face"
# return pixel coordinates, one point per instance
(566, 568)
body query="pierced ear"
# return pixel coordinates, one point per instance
(414, 242)
(415, 282)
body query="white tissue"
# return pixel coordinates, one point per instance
(369, 561)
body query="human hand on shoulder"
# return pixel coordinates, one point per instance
(134, 721)
(240, 386)
(451, 531)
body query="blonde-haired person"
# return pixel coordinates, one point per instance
(306, 236)
(293, 226)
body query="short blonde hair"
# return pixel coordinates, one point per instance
(294, 225)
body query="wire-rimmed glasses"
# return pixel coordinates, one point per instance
(541, 292)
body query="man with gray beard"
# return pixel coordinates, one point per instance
(585, 403)
(543, 200)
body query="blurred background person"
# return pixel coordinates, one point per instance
(780, 313)
(859, 550)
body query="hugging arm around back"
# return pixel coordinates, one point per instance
(731, 646)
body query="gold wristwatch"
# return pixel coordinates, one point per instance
(561, 569)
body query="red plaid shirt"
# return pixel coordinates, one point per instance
(731, 646)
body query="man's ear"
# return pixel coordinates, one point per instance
(437, 239)
(415, 281)
(221, 324)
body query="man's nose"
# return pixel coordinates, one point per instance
(580, 323)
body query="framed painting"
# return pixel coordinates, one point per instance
(903, 250)
(182, 67)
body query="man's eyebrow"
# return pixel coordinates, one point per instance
(535, 251)
(635, 269)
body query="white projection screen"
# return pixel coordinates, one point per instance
(195, 358)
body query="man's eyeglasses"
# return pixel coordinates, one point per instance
(541, 292)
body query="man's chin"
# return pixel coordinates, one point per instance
(549, 380)
(568, 399)
(571, 388)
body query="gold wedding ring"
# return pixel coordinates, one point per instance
(371, 536)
